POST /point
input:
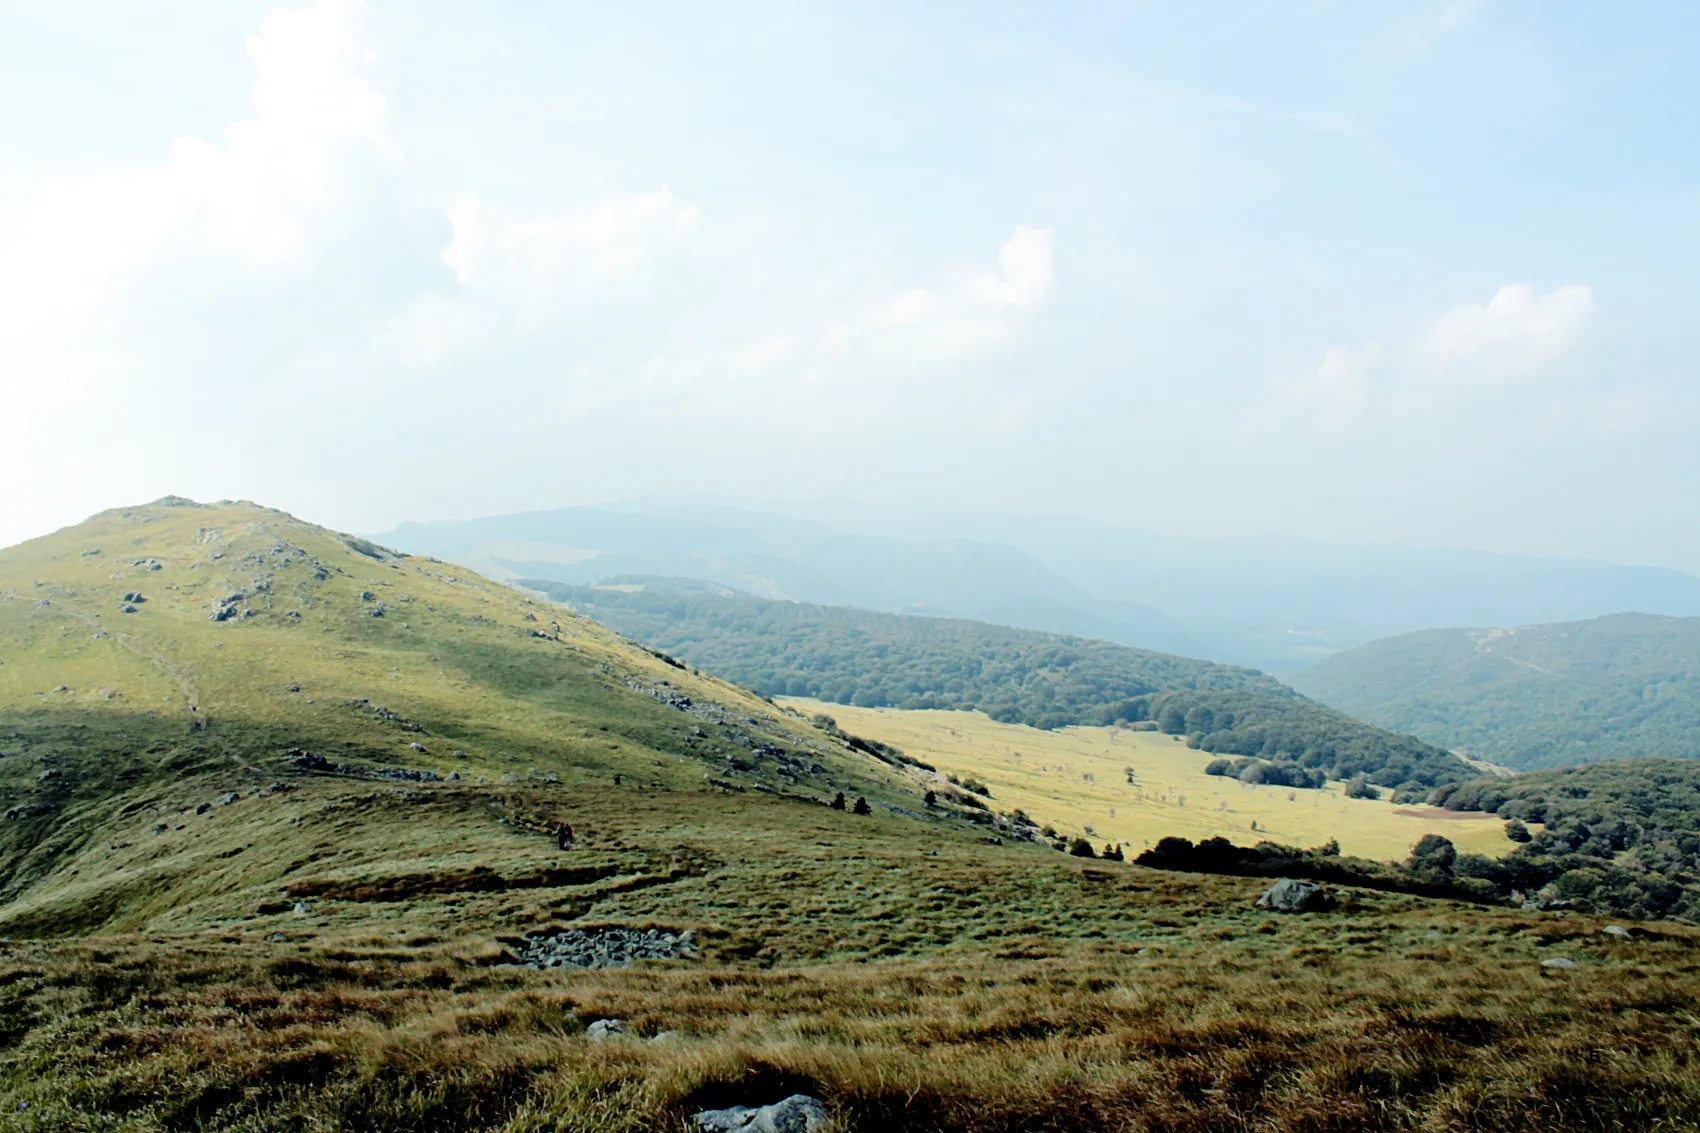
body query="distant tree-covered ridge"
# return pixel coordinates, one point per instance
(1533, 697)
(1620, 835)
(849, 656)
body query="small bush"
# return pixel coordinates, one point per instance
(1359, 788)
(1081, 848)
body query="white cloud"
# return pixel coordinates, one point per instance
(521, 273)
(868, 366)
(74, 247)
(611, 240)
(1517, 331)
(926, 327)
(1325, 399)
(1025, 273)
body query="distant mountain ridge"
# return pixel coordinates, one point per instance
(869, 659)
(1274, 604)
(1532, 697)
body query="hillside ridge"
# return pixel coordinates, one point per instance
(871, 659)
(1531, 697)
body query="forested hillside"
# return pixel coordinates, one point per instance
(1622, 836)
(869, 659)
(1533, 697)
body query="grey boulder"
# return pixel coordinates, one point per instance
(603, 1030)
(798, 1113)
(1291, 896)
(1561, 963)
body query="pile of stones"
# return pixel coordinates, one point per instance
(604, 948)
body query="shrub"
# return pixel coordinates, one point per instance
(1358, 787)
(862, 806)
(1433, 854)
(838, 801)
(1081, 848)
(1517, 832)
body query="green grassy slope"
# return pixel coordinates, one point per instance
(868, 659)
(1532, 697)
(125, 703)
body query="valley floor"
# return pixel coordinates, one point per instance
(1076, 780)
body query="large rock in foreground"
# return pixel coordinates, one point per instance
(1292, 896)
(798, 1113)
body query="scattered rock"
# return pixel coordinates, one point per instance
(301, 909)
(665, 1037)
(229, 797)
(417, 746)
(160, 828)
(309, 760)
(604, 948)
(203, 808)
(91, 551)
(1561, 964)
(227, 607)
(134, 596)
(292, 688)
(603, 1030)
(1292, 896)
(798, 1113)
(1615, 930)
(368, 596)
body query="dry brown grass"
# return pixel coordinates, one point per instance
(1265, 1027)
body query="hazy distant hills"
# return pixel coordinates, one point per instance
(1533, 697)
(850, 656)
(1272, 603)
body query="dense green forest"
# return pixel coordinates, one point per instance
(850, 656)
(1620, 836)
(1534, 697)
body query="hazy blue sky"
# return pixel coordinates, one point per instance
(1419, 272)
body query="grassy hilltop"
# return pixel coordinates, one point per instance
(157, 658)
(282, 808)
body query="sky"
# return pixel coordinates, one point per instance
(1417, 272)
